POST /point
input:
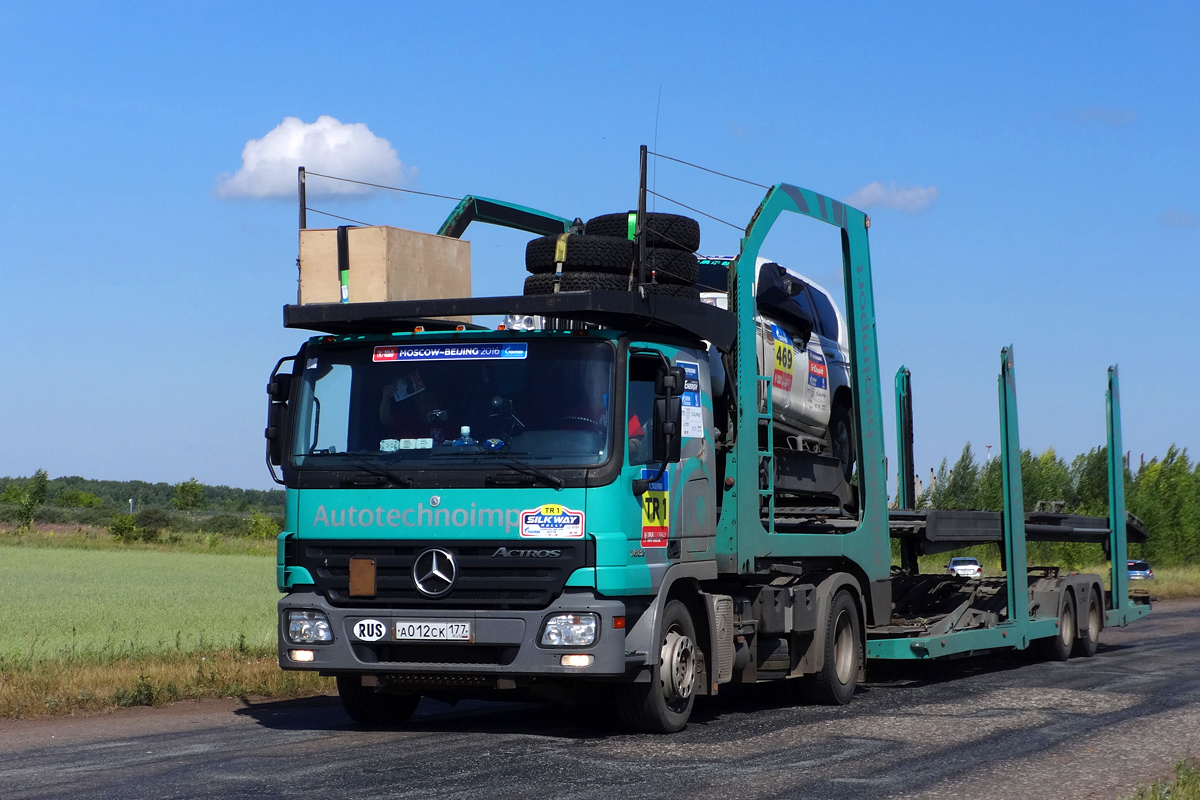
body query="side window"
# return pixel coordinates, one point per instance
(805, 303)
(825, 312)
(639, 410)
(331, 391)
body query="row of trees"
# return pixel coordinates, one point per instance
(190, 495)
(1164, 494)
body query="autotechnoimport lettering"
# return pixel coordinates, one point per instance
(422, 516)
(551, 521)
(511, 552)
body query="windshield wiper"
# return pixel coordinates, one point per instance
(527, 469)
(400, 480)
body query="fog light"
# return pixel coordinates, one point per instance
(577, 661)
(300, 655)
(570, 630)
(308, 627)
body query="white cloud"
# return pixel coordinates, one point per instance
(902, 198)
(327, 146)
(1112, 117)
(1178, 218)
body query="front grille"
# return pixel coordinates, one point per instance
(485, 581)
(494, 655)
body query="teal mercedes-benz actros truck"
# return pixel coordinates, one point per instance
(601, 497)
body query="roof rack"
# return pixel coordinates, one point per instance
(625, 310)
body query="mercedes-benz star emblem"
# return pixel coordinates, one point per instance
(434, 572)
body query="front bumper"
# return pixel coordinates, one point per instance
(506, 642)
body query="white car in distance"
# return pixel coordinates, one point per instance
(965, 567)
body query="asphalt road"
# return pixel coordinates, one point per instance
(986, 728)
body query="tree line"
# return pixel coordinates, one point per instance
(40, 498)
(1163, 493)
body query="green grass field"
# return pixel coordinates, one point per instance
(63, 603)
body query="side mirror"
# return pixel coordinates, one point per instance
(280, 387)
(669, 381)
(668, 425)
(274, 433)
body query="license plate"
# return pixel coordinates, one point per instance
(422, 630)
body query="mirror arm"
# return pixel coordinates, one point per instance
(642, 485)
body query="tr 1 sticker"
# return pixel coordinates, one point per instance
(785, 355)
(551, 521)
(693, 414)
(818, 373)
(656, 513)
(369, 630)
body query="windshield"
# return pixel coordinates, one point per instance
(542, 401)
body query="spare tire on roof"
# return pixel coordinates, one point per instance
(602, 281)
(584, 255)
(662, 230)
(601, 253)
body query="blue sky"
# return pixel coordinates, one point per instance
(1052, 149)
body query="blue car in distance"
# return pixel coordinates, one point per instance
(1140, 571)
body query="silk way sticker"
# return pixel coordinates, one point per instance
(784, 356)
(551, 521)
(656, 513)
(450, 352)
(693, 413)
(818, 373)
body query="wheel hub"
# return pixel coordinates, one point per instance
(678, 672)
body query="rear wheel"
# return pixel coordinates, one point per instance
(1087, 644)
(1058, 648)
(664, 704)
(367, 706)
(835, 684)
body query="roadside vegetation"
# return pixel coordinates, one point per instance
(1164, 494)
(108, 627)
(1184, 786)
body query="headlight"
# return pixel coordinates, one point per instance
(308, 627)
(570, 630)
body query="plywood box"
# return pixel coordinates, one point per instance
(385, 264)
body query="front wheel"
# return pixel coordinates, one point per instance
(841, 436)
(665, 703)
(368, 706)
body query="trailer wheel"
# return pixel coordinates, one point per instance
(834, 685)
(1058, 648)
(366, 706)
(1086, 645)
(662, 230)
(664, 704)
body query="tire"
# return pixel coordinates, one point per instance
(834, 685)
(662, 230)
(593, 253)
(1058, 648)
(366, 706)
(602, 281)
(1086, 645)
(665, 703)
(585, 255)
(841, 436)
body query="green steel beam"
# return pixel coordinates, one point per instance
(741, 536)
(1013, 514)
(923, 647)
(905, 488)
(498, 212)
(1122, 611)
